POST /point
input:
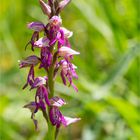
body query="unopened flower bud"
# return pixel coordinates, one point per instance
(45, 8)
(63, 4)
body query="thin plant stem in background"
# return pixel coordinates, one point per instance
(55, 57)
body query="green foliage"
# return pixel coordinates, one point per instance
(107, 34)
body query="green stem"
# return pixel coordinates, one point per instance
(50, 135)
(51, 75)
(45, 115)
(51, 81)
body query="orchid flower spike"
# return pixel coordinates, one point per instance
(55, 54)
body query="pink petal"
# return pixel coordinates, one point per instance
(63, 4)
(66, 52)
(67, 120)
(42, 42)
(56, 101)
(67, 33)
(55, 21)
(38, 82)
(36, 26)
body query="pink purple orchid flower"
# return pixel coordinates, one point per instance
(55, 57)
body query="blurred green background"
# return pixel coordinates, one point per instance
(106, 32)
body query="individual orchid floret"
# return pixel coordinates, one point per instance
(41, 97)
(58, 37)
(57, 101)
(42, 42)
(57, 118)
(62, 5)
(39, 81)
(32, 106)
(53, 29)
(36, 26)
(29, 61)
(66, 52)
(55, 21)
(62, 37)
(45, 8)
(68, 73)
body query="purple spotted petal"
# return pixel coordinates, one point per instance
(39, 81)
(41, 96)
(36, 26)
(55, 116)
(42, 42)
(46, 58)
(57, 101)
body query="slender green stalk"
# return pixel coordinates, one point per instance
(51, 81)
(50, 135)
